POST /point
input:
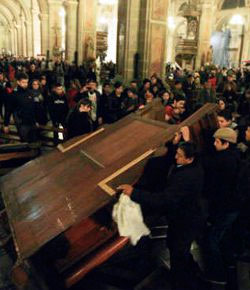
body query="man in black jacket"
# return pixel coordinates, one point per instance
(179, 202)
(21, 104)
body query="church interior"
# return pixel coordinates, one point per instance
(125, 144)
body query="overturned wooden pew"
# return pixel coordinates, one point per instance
(65, 198)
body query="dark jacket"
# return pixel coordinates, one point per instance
(58, 108)
(78, 123)
(115, 108)
(180, 201)
(221, 180)
(21, 103)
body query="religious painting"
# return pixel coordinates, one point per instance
(157, 48)
(160, 8)
(89, 46)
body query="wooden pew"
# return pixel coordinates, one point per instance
(71, 190)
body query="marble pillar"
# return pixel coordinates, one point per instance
(44, 20)
(86, 38)
(152, 37)
(205, 31)
(71, 29)
(127, 42)
(29, 39)
(55, 26)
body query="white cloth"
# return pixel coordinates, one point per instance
(128, 216)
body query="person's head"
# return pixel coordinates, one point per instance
(179, 102)
(154, 79)
(222, 104)
(247, 95)
(35, 84)
(230, 77)
(22, 80)
(155, 90)
(228, 87)
(185, 153)
(146, 84)
(1, 76)
(58, 89)
(118, 88)
(106, 88)
(247, 132)
(133, 84)
(131, 93)
(92, 85)
(224, 138)
(178, 84)
(84, 106)
(32, 67)
(224, 119)
(149, 96)
(190, 78)
(43, 80)
(165, 95)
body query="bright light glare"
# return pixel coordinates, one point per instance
(237, 19)
(62, 12)
(171, 22)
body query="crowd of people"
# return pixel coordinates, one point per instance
(36, 93)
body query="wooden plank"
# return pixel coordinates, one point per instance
(64, 149)
(103, 184)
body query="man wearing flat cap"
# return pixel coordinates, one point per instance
(223, 204)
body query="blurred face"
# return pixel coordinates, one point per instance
(247, 133)
(32, 67)
(180, 104)
(222, 105)
(92, 86)
(223, 123)
(154, 80)
(107, 90)
(133, 85)
(147, 85)
(166, 96)
(230, 78)
(119, 90)
(1, 77)
(219, 146)
(178, 86)
(84, 108)
(181, 158)
(130, 94)
(43, 82)
(35, 85)
(23, 83)
(149, 96)
(58, 90)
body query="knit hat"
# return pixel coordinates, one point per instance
(226, 134)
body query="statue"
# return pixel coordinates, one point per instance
(209, 56)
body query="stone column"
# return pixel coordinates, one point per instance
(55, 29)
(152, 37)
(29, 39)
(205, 30)
(127, 42)
(86, 40)
(246, 44)
(44, 18)
(71, 29)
